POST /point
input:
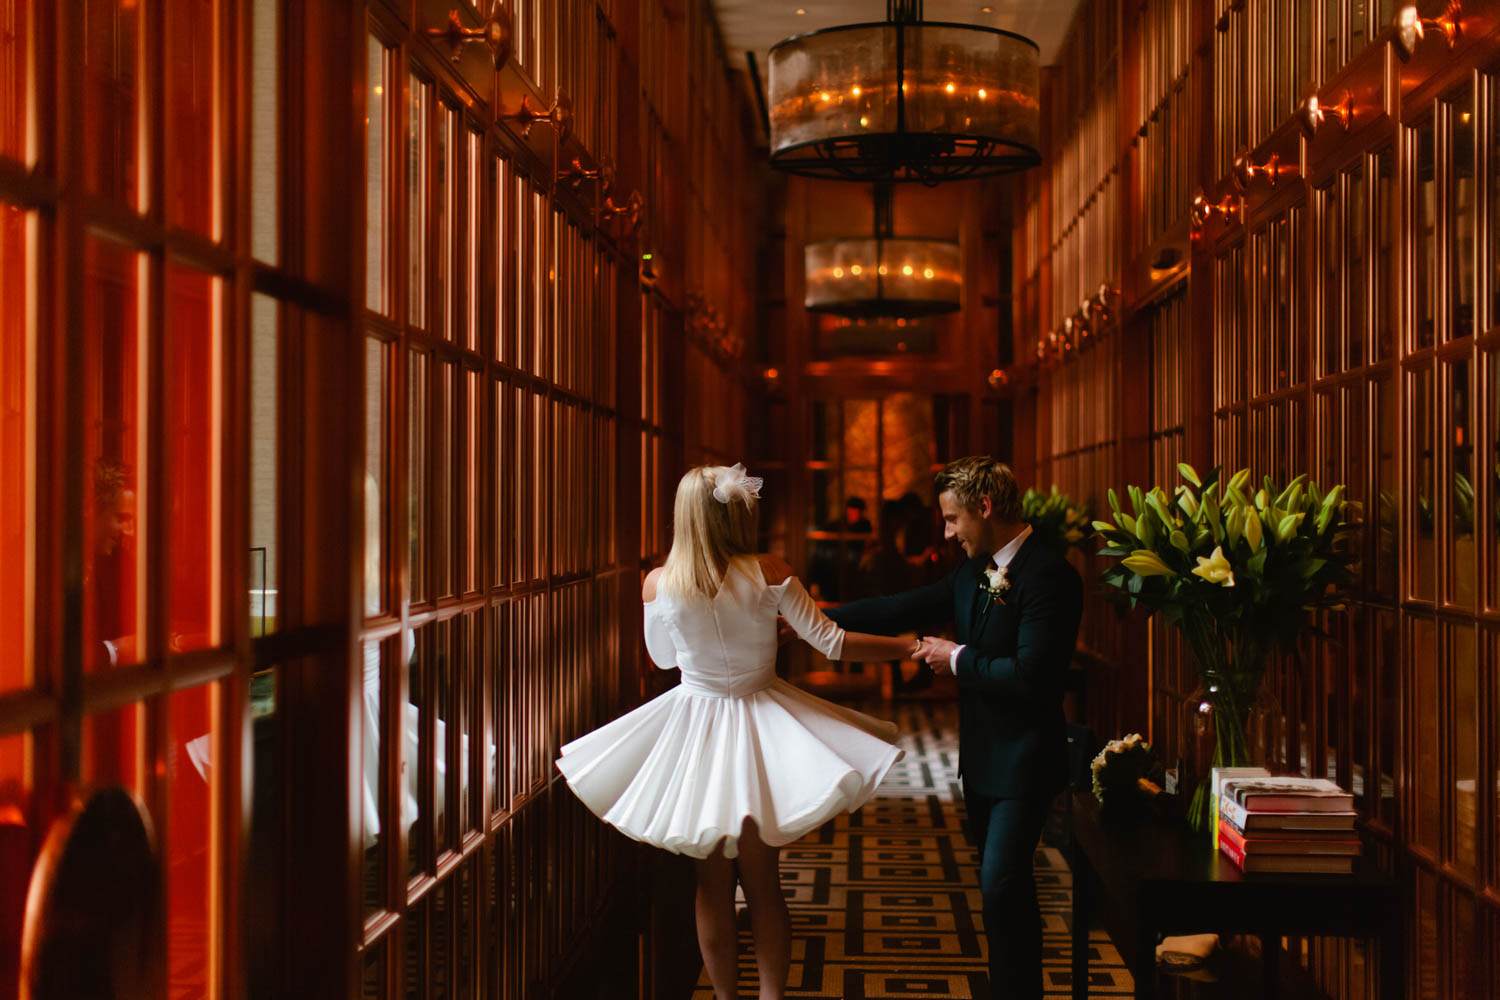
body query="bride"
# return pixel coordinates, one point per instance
(734, 762)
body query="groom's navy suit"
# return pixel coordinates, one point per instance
(1012, 747)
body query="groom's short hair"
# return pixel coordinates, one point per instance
(977, 476)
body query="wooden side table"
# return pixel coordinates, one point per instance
(1160, 878)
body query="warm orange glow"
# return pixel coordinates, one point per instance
(824, 95)
(856, 270)
(864, 122)
(927, 273)
(950, 88)
(838, 272)
(906, 270)
(379, 90)
(982, 94)
(772, 373)
(882, 268)
(856, 90)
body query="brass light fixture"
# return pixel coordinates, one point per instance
(559, 116)
(883, 275)
(1411, 28)
(497, 33)
(629, 210)
(1202, 210)
(577, 173)
(904, 99)
(1245, 170)
(1311, 114)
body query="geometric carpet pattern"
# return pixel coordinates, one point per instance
(885, 903)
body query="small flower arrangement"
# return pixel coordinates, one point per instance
(996, 584)
(1055, 519)
(1123, 772)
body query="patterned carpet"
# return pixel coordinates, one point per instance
(885, 903)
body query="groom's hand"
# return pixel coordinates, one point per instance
(936, 652)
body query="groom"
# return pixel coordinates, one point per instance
(1016, 606)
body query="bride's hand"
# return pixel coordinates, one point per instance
(935, 651)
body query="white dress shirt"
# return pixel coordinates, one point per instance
(1001, 559)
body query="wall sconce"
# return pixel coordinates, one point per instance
(576, 174)
(630, 211)
(1080, 321)
(1312, 114)
(1202, 210)
(1411, 29)
(497, 33)
(998, 379)
(772, 377)
(559, 116)
(1098, 303)
(1246, 171)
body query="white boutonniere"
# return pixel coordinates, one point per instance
(996, 583)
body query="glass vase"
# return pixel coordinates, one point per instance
(1217, 736)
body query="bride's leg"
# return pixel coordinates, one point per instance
(717, 936)
(760, 874)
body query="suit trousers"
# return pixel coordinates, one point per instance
(1005, 832)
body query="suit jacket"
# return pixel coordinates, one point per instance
(1011, 675)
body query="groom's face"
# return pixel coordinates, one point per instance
(972, 528)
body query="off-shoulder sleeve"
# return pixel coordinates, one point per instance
(659, 640)
(819, 631)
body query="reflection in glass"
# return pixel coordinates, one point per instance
(1426, 740)
(374, 975)
(191, 853)
(373, 787)
(443, 684)
(114, 748)
(192, 100)
(1458, 540)
(195, 416)
(440, 942)
(1488, 470)
(110, 56)
(1419, 386)
(17, 95)
(420, 99)
(417, 474)
(18, 359)
(443, 193)
(416, 742)
(376, 171)
(442, 471)
(376, 451)
(1386, 502)
(1387, 225)
(1463, 662)
(1461, 226)
(264, 430)
(1356, 280)
(18, 835)
(1333, 252)
(414, 970)
(265, 131)
(113, 392)
(1424, 226)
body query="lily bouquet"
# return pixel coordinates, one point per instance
(1237, 569)
(1055, 519)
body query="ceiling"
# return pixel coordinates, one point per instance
(756, 25)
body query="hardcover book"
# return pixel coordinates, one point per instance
(1303, 844)
(1285, 824)
(1288, 864)
(1288, 794)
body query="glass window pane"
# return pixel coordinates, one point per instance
(191, 852)
(192, 111)
(195, 410)
(1425, 742)
(473, 188)
(17, 67)
(264, 461)
(504, 244)
(265, 130)
(114, 748)
(1424, 478)
(1331, 285)
(114, 401)
(417, 474)
(472, 404)
(1356, 281)
(1387, 490)
(373, 811)
(113, 94)
(445, 496)
(1458, 433)
(414, 971)
(377, 450)
(1424, 234)
(18, 274)
(1463, 664)
(1488, 472)
(1387, 225)
(373, 981)
(439, 970)
(443, 697)
(444, 192)
(1461, 228)
(19, 839)
(419, 96)
(377, 174)
(416, 744)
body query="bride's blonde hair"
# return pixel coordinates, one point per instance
(706, 534)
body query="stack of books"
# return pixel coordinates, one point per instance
(1284, 824)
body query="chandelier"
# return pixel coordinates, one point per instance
(904, 99)
(882, 275)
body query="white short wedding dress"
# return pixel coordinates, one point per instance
(733, 741)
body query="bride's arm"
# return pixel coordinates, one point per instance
(874, 648)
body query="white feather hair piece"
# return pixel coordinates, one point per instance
(733, 484)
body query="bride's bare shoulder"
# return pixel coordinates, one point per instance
(774, 568)
(648, 589)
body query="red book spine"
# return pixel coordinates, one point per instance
(1232, 850)
(1228, 833)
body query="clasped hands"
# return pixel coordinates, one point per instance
(935, 651)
